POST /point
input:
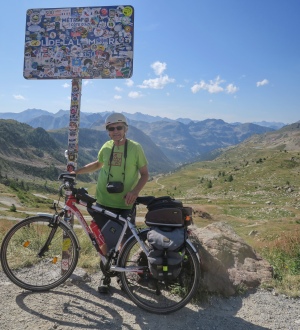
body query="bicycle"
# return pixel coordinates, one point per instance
(32, 254)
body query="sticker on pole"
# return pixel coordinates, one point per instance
(81, 42)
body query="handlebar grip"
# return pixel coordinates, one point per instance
(67, 176)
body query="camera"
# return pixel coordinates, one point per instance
(115, 187)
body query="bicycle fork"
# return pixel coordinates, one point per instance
(54, 225)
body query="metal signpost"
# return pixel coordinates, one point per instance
(78, 43)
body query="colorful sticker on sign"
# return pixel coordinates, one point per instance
(83, 42)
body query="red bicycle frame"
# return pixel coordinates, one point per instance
(70, 206)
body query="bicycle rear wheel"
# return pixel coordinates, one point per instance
(30, 262)
(160, 297)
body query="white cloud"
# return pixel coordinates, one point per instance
(159, 67)
(231, 89)
(214, 86)
(118, 89)
(66, 85)
(129, 82)
(262, 83)
(18, 97)
(134, 95)
(157, 83)
(117, 97)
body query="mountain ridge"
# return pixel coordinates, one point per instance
(30, 114)
(181, 141)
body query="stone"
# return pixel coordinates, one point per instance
(228, 264)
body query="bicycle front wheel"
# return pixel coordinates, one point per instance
(33, 253)
(160, 297)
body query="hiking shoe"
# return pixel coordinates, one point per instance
(104, 285)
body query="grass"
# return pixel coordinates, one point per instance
(283, 252)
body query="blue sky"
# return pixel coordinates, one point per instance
(233, 60)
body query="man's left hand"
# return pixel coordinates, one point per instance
(130, 197)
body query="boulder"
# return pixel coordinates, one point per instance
(228, 264)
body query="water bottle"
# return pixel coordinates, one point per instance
(98, 236)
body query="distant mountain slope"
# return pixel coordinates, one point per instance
(28, 152)
(28, 116)
(24, 116)
(181, 140)
(272, 124)
(91, 140)
(194, 141)
(287, 138)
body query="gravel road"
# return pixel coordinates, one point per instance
(77, 305)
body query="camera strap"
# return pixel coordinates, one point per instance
(111, 158)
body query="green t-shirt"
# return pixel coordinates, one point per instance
(135, 160)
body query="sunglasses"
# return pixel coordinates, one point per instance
(118, 128)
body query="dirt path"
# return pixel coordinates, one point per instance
(79, 306)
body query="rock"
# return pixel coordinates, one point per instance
(202, 214)
(227, 262)
(253, 233)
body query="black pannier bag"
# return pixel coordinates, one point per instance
(165, 217)
(166, 252)
(166, 211)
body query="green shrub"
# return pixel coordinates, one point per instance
(13, 208)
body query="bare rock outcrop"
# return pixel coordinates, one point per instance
(227, 262)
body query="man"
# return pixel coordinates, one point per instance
(123, 174)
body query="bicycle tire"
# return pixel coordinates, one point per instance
(143, 292)
(20, 248)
